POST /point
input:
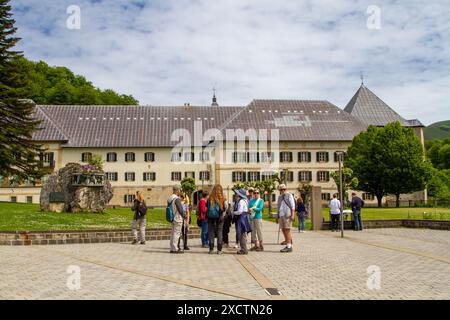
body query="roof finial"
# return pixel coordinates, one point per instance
(362, 78)
(214, 99)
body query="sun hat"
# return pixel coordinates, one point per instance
(282, 187)
(241, 193)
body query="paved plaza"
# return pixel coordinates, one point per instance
(373, 264)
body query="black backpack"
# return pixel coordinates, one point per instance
(142, 209)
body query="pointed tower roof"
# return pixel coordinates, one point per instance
(370, 109)
(214, 99)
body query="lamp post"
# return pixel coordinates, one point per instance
(341, 194)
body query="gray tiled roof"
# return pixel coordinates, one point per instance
(47, 129)
(144, 126)
(129, 126)
(299, 120)
(370, 109)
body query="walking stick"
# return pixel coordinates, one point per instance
(278, 241)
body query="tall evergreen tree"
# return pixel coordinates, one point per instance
(18, 155)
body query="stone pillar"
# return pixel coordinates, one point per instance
(316, 208)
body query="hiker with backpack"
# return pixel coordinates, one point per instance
(242, 220)
(256, 206)
(175, 214)
(185, 201)
(140, 218)
(215, 212)
(286, 215)
(302, 214)
(201, 218)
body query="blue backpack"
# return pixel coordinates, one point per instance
(169, 211)
(213, 212)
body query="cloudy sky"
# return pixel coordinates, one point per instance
(167, 52)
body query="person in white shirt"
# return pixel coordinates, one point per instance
(335, 211)
(286, 214)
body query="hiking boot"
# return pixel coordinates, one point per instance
(242, 252)
(211, 251)
(286, 249)
(219, 252)
(283, 243)
(187, 248)
(134, 241)
(259, 249)
(142, 242)
(255, 248)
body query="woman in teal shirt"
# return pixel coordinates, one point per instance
(256, 206)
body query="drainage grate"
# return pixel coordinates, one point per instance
(273, 292)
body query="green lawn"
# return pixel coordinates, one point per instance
(20, 216)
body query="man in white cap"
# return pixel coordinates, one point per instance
(286, 214)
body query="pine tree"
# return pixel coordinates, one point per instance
(18, 154)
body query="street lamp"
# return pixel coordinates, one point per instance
(341, 195)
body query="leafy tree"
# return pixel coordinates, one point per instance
(439, 184)
(96, 160)
(18, 155)
(388, 160)
(438, 151)
(188, 186)
(349, 181)
(58, 85)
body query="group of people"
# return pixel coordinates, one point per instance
(335, 211)
(215, 216)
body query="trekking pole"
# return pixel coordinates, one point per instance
(278, 241)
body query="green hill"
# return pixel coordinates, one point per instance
(438, 130)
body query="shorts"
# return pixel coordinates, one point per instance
(285, 223)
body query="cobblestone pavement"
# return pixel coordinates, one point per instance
(412, 264)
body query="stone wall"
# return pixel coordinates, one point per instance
(84, 236)
(398, 223)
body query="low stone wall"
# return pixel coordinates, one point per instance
(83, 236)
(398, 223)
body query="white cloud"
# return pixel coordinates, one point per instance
(171, 52)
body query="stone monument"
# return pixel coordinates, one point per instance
(76, 188)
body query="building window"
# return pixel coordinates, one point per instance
(322, 156)
(204, 175)
(189, 157)
(326, 196)
(149, 176)
(304, 156)
(238, 176)
(204, 156)
(267, 157)
(304, 176)
(48, 159)
(111, 176)
(129, 198)
(189, 174)
(176, 157)
(267, 175)
(149, 157)
(129, 176)
(323, 176)
(287, 176)
(29, 199)
(285, 156)
(13, 199)
(111, 157)
(239, 157)
(130, 157)
(253, 176)
(368, 196)
(86, 156)
(176, 176)
(253, 157)
(336, 159)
